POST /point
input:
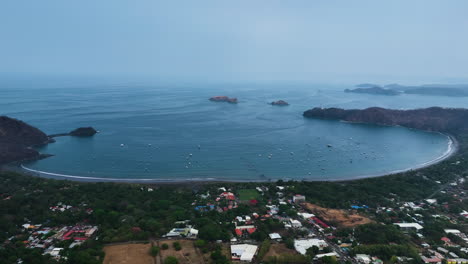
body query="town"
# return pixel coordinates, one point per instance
(267, 223)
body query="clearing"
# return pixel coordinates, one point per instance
(248, 194)
(188, 253)
(128, 254)
(338, 217)
(277, 250)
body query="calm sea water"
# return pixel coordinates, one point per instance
(173, 132)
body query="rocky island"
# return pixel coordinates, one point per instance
(79, 132)
(224, 99)
(447, 120)
(17, 139)
(373, 90)
(426, 89)
(280, 103)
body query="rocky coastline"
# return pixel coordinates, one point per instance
(446, 120)
(18, 140)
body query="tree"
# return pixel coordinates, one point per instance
(199, 243)
(177, 245)
(312, 251)
(218, 257)
(154, 251)
(171, 260)
(289, 243)
(329, 260)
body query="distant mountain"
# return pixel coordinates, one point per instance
(367, 85)
(373, 90)
(431, 89)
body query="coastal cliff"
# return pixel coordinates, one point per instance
(450, 120)
(17, 138)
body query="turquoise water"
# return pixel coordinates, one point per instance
(172, 132)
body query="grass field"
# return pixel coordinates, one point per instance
(248, 194)
(128, 254)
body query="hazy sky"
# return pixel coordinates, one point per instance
(241, 39)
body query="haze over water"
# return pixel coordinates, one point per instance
(173, 132)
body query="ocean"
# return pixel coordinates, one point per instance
(173, 132)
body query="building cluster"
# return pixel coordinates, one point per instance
(46, 238)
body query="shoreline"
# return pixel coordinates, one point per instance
(452, 149)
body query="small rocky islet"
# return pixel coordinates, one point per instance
(227, 99)
(280, 103)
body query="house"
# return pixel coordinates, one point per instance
(297, 199)
(55, 252)
(306, 215)
(457, 261)
(240, 230)
(363, 258)
(295, 223)
(433, 259)
(89, 232)
(442, 250)
(331, 254)
(409, 226)
(302, 245)
(243, 252)
(275, 236)
(187, 231)
(228, 196)
(452, 231)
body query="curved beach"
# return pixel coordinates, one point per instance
(452, 148)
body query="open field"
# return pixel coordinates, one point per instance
(278, 250)
(341, 218)
(128, 254)
(188, 253)
(248, 194)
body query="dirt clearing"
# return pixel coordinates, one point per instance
(128, 254)
(188, 253)
(338, 217)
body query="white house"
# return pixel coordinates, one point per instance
(295, 223)
(302, 245)
(275, 236)
(409, 226)
(298, 198)
(243, 252)
(363, 258)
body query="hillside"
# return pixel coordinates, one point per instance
(449, 120)
(16, 138)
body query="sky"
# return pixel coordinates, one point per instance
(304, 40)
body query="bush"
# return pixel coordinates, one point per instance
(177, 246)
(171, 260)
(154, 251)
(199, 243)
(165, 246)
